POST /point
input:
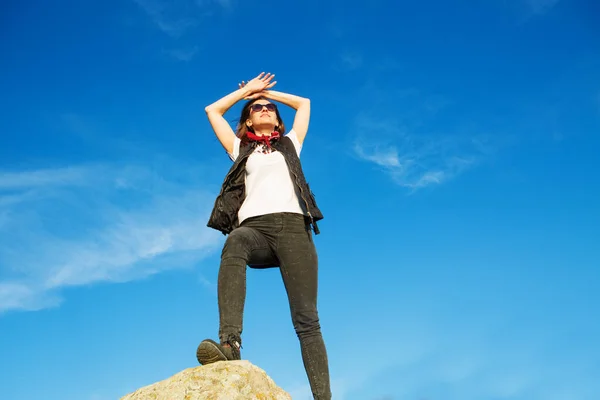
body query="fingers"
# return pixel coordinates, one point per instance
(261, 82)
(268, 77)
(265, 77)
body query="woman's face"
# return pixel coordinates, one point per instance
(263, 114)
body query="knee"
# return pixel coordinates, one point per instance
(236, 244)
(306, 323)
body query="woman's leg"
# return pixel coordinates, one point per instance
(245, 245)
(299, 269)
(241, 245)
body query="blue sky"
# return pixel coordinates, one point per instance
(453, 149)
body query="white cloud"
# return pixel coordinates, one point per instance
(176, 18)
(166, 19)
(413, 161)
(387, 157)
(81, 225)
(15, 295)
(36, 178)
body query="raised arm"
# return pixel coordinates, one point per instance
(300, 104)
(216, 110)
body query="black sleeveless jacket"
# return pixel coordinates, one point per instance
(224, 216)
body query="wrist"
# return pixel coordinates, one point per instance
(244, 92)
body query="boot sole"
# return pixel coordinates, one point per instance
(208, 352)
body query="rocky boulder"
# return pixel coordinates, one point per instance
(225, 380)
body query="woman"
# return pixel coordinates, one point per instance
(268, 211)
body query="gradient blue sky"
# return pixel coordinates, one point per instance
(453, 149)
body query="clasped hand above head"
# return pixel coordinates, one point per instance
(258, 85)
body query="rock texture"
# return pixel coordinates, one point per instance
(225, 380)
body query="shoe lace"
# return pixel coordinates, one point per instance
(235, 345)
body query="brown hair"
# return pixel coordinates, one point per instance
(242, 128)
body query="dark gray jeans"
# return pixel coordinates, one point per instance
(281, 240)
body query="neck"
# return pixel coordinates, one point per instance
(263, 131)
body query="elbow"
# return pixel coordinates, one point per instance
(211, 110)
(213, 107)
(305, 103)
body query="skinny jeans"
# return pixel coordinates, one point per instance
(282, 240)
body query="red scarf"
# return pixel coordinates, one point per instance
(263, 139)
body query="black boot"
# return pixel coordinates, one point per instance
(210, 351)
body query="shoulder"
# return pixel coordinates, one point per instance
(236, 149)
(293, 136)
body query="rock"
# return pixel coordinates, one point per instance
(224, 380)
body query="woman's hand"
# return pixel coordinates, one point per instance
(256, 86)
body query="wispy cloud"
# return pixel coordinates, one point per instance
(445, 356)
(414, 161)
(301, 392)
(489, 369)
(183, 54)
(208, 284)
(176, 18)
(180, 18)
(351, 60)
(226, 4)
(80, 225)
(541, 6)
(167, 16)
(39, 178)
(386, 157)
(14, 295)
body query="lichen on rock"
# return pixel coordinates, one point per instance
(224, 380)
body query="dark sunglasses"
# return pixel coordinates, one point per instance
(259, 107)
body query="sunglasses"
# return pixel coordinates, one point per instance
(259, 107)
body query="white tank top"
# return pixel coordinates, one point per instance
(269, 187)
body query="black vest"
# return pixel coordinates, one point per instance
(224, 216)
